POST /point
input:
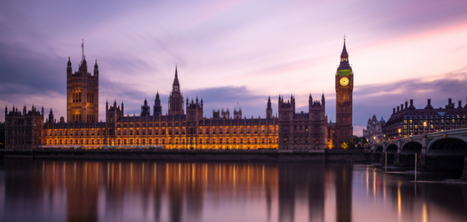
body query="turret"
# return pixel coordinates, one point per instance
(176, 84)
(51, 116)
(96, 69)
(83, 68)
(68, 67)
(269, 109)
(157, 111)
(323, 101)
(145, 110)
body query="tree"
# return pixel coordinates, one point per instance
(357, 140)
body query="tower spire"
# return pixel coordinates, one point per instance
(344, 53)
(82, 48)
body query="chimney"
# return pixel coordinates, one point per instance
(460, 104)
(402, 106)
(428, 106)
(411, 102)
(397, 108)
(449, 101)
(393, 110)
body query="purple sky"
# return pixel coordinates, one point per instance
(231, 52)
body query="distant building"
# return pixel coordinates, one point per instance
(407, 120)
(374, 129)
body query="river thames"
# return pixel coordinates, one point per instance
(56, 190)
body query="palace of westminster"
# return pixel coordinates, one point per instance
(184, 126)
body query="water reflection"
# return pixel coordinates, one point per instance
(175, 191)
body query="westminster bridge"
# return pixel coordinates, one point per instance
(444, 144)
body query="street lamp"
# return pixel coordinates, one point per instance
(424, 125)
(399, 132)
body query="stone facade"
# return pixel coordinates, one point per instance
(302, 131)
(299, 131)
(24, 130)
(374, 130)
(82, 93)
(407, 121)
(342, 130)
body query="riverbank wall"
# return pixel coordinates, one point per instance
(183, 155)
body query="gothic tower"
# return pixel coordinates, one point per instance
(176, 98)
(269, 109)
(344, 88)
(157, 111)
(82, 93)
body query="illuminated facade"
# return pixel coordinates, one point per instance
(407, 121)
(184, 126)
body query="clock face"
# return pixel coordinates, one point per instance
(344, 81)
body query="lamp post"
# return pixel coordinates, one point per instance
(399, 132)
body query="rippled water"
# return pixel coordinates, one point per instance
(36, 190)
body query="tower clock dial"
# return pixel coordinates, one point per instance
(344, 81)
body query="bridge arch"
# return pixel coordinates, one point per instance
(379, 149)
(448, 146)
(391, 148)
(411, 147)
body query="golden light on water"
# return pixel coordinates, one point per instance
(424, 213)
(399, 201)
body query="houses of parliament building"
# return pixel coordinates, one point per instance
(184, 126)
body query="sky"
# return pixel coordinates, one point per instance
(236, 52)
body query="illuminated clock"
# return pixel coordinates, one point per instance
(344, 81)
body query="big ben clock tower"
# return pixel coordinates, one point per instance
(344, 89)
